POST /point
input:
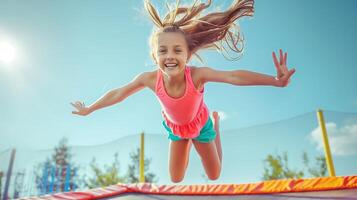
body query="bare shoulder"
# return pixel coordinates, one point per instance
(147, 79)
(198, 78)
(198, 73)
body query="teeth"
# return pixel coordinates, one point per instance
(171, 65)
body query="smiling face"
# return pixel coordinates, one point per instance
(171, 53)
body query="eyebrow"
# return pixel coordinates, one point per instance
(174, 46)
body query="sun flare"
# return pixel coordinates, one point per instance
(7, 52)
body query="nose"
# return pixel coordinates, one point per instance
(170, 55)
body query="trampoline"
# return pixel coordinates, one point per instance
(343, 187)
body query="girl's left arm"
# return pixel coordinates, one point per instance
(243, 77)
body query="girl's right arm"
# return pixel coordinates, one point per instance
(113, 96)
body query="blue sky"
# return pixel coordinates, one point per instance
(67, 51)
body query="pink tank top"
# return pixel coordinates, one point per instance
(185, 115)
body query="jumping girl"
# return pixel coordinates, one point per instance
(180, 88)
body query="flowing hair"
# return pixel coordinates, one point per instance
(215, 30)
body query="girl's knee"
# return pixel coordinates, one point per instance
(176, 179)
(214, 176)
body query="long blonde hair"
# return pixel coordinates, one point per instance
(215, 30)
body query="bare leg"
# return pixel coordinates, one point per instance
(218, 137)
(209, 158)
(179, 154)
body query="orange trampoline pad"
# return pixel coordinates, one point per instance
(344, 187)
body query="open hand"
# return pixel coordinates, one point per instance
(81, 108)
(283, 73)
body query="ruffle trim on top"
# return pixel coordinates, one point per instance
(192, 129)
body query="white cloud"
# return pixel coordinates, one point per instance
(343, 140)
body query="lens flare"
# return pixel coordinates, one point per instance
(7, 52)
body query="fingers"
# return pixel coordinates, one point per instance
(75, 112)
(275, 61)
(289, 74)
(278, 67)
(284, 73)
(285, 68)
(282, 58)
(80, 103)
(285, 79)
(79, 106)
(281, 61)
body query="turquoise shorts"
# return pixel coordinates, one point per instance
(207, 133)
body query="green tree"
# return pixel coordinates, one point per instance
(133, 169)
(276, 167)
(106, 177)
(320, 168)
(111, 174)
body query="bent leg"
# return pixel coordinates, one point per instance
(210, 158)
(218, 135)
(179, 154)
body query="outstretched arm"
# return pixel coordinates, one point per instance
(112, 97)
(243, 77)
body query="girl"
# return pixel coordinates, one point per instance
(179, 88)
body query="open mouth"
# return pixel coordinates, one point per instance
(171, 65)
